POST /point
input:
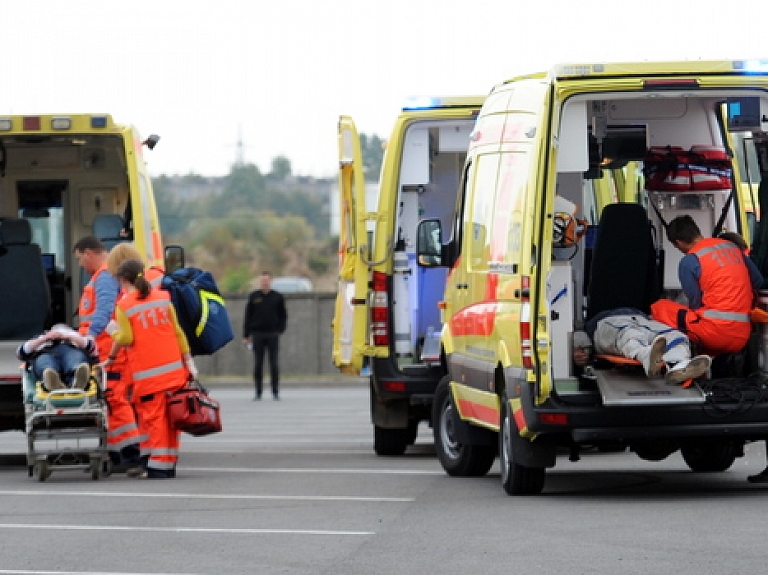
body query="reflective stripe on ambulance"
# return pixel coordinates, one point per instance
(475, 406)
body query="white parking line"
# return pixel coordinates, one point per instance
(314, 470)
(17, 572)
(38, 527)
(208, 496)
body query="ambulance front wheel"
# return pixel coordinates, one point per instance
(457, 458)
(516, 479)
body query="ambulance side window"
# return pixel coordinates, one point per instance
(455, 243)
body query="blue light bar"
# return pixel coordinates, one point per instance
(98, 121)
(751, 65)
(420, 103)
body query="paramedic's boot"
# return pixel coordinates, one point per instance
(686, 370)
(655, 361)
(761, 477)
(51, 379)
(82, 374)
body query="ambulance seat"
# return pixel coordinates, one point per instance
(623, 268)
(25, 298)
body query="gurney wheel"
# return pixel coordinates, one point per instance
(42, 471)
(95, 465)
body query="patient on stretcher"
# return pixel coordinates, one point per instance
(60, 358)
(629, 333)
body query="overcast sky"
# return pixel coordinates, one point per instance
(278, 73)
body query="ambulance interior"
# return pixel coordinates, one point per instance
(433, 158)
(54, 190)
(618, 131)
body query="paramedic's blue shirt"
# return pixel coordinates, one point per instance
(689, 272)
(106, 288)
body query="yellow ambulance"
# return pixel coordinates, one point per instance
(62, 177)
(561, 215)
(387, 321)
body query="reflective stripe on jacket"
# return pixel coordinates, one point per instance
(155, 355)
(725, 284)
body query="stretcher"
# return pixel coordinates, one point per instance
(66, 428)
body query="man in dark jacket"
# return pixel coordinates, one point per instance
(264, 323)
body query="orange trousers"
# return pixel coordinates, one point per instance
(712, 336)
(161, 447)
(121, 419)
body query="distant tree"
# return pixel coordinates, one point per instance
(170, 210)
(373, 153)
(245, 189)
(250, 222)
(281, 168)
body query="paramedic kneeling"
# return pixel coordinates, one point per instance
(159, 359)
(716, 280)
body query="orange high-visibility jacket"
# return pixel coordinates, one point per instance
(85, 310)
(155, 342)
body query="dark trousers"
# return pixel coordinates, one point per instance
(269, 343)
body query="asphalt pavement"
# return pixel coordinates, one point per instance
(293, 487)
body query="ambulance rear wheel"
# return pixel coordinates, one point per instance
(515, 478)
(710, 457)
(389, 441)
(457, 459)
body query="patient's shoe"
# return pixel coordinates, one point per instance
(655, 361)
(82, 373)
(689, 369)
(51, 379)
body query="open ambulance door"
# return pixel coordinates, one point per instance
(350, 322)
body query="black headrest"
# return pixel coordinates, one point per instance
(15, 232)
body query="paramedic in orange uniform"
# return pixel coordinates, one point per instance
(97, 305)
(159, 360)
(122, 417)
(719, 285)
(127, 251)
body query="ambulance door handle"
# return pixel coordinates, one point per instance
(462, 286)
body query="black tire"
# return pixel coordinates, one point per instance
(412, 431)
(389, 442)
(515, 478)
(710, 457)
(458, 460)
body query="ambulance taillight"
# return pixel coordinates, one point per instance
(525, 322)
(380, 310)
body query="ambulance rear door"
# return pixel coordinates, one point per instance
(350, 323)
(146, 224)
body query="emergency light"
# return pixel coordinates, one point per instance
(755, 66)
(61, 123)
(31, 123)
(420, 103)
